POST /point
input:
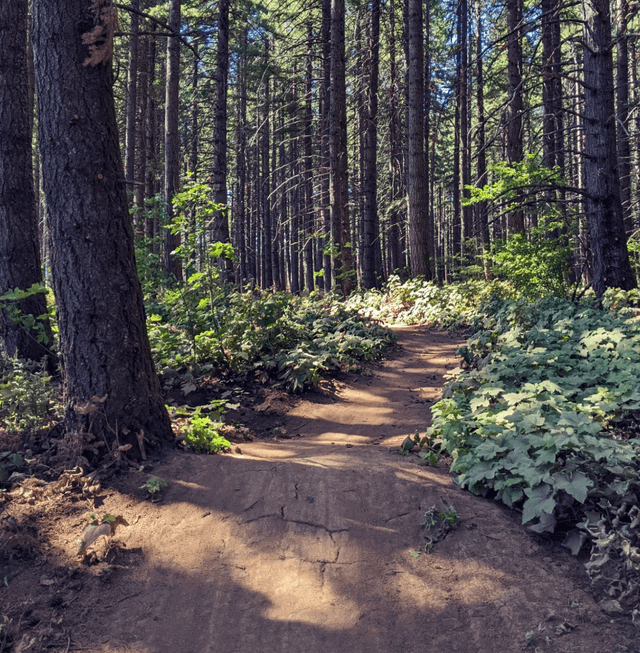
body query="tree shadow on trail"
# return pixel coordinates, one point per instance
(258, 556)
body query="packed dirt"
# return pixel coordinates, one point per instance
(308, 539)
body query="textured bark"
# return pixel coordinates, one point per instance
(610, 258)
(19, 251)
(552, 132)
(104, 348)
(172, 139)
(416, 177)
(372, 259)
(338, 151)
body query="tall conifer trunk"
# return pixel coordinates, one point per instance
(610, 259)
(111, 390)
(416, 177)
(19, 251)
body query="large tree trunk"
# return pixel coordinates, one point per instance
(416, 177)
(610, 258)
(19, 251)
(338, 151)
(110, 387)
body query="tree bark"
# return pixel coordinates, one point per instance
(622, 107)
(416, 178)
(515, 102)
(338, 151)
(395, 152)
(610, 258)
(482, 214)
(132, 95)
(111, 390)
(372, 259)
(19, 250)
(219, 170)
(172, 140)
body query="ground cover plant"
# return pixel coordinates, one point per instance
(544, 416)
(280, 338)
(417, 301)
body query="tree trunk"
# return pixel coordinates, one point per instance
(416, 178)
(219, 170)
(482, 215)
(371, 270)
(324, 110)
(151, 223)
(622, 107)
(241, 160)
(395, 152)
(19, 250)
(465, 125)
(172, 139)
(264, 137)
(307, 166)
(515, 103)
(338, 151)
(610, 258)
(132, 96)
(111, 390)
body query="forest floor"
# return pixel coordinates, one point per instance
(306, 539)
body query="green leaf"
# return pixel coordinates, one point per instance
(540, 502)
(577, 484)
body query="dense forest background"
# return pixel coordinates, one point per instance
(346, 141)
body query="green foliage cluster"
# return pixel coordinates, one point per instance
(202, 323)
(201, 435)
(424, 302)
(35, 325)
(26, 394)
(291, 340)
(545, 416)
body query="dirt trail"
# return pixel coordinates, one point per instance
(304, 545)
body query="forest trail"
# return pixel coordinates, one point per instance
(314, 544)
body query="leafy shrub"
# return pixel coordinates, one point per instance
(545, 417)
(201, 435)
(25, 394)
(424, 302)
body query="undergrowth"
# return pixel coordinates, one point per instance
(544, 415)
(289, 341)
(424, 302)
